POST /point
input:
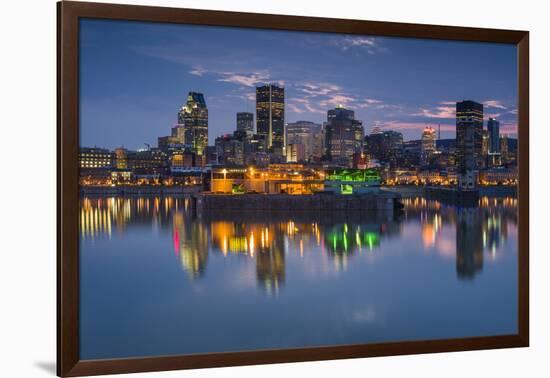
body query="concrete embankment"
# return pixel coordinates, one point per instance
(139, 190)
(378, 201)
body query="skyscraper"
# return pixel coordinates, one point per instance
(428, 144)
(303, 133)
(493, 127)
(245, 123)
(194, 117)
(270, 116)
(469, 142)
(341, 133)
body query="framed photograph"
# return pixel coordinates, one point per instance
(238, 188)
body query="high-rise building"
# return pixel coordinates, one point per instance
(303, 133)
(245, 123)
(194, 118)
(469, 142)
(341, 133)
(230, 150)
(428, 144)
(270, 116)
(469, 134)
(493, 127)
(504, 149)
(178, 133)
(384, 145)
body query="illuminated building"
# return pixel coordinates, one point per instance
(277, 178)
(245, 123)
(360, 160)
(121, 158)
(341, 133)
(95, 158)
(270, 116)
(194, 118)
(469, 141)
(428, 146)
(493, 128)
(352, 181)
(307, 134)
(504, 149)
(178, 134)
(295, 152)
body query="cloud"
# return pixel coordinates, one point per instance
(248, 80)
(408, 126)
(368, 44)
(198, 71)
(494, 104)
(443, 112)
(303, 105)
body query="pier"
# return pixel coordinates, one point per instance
(376, 201)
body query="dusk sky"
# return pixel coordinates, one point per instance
(135, 76)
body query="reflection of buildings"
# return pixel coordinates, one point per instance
(469, 243)
(190, 244)
(270, 239)
(270, 269)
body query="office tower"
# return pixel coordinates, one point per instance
(178, 134)
(95, 158)
(428, 145)
(230, 150)
(270, 116)
(245, 123)
(303, 133)
(384, 145)
(469, 142)
(504, 153)
(493, 127)
(194, 118)
(341, 132)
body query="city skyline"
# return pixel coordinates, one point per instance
(145, 95)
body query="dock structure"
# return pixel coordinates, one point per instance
(374, 201)
(453, 196)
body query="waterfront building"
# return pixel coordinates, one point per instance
(94, 158)
(341, 135)
(352, 181)
(276, 178)
(270, 116)
(493, 128)
(304, 133)
(121, 158)
(469, 142)
(245, 123)
(428, 144)
(148, 162)
(194, 118)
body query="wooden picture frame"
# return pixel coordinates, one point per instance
(69, 13)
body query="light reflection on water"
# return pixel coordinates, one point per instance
(435, 261)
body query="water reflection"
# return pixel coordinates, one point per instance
(465, 234)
